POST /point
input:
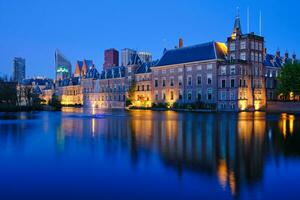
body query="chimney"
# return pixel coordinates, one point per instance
(286, 55)
(180, 42)
(278, 53)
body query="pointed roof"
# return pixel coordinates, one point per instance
(237, 29)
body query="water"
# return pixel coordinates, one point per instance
(94, 154)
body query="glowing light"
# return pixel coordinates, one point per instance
(284, 117)
(222, 173)
(291, 123)
(62, 69)
(242, 105)
(257, 104)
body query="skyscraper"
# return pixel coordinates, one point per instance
(63, 67)
(111, 58)
(145, 56)
(126, 55)
(18, 69)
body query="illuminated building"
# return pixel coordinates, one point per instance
(241, 81)
(63, 67)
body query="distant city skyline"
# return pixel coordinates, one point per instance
(153, 26)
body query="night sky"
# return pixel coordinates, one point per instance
(33, 29)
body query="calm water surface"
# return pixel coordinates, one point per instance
(95, 154)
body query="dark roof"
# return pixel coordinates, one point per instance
(146, 67)
(37, 90)
(92, 73)
(88, 63)
(69, 81)
(200, 52)
(113, 72)
(276, 61)
(37, 81)
(135, 60)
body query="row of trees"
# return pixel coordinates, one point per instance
(289, 81)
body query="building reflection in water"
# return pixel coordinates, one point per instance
(231, 147)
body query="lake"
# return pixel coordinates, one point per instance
(115, 154)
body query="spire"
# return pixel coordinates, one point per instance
(237, 23)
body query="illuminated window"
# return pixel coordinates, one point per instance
(223, 70)
(243, 56)
(209, 67)
(243, 44)
(232, 46)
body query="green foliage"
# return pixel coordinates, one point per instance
(8, 93)
(128, 102)
(289, 80)
(55, 102)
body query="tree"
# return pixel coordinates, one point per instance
(55, 102)
(289, 80)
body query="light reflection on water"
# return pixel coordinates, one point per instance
(231, 150)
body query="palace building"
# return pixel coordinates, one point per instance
(235, 76)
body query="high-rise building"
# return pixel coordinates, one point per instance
(18, 69)
(126, 55)
(63, 67)
(145, 56)
(111, 58)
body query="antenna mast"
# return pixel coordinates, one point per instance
(260, 23)
(248, 20)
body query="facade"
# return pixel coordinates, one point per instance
(111, 58)
(145, 56)
(18, 69)
(126, 55)
(63, 67)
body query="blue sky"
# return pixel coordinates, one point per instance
(33, 29)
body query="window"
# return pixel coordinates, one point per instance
(223, 84)
(171, 71)
(180, 95)
(156, 83)
(138, 88)
(209, 79)
(198, 80)
(209, 67)
(199, 67)
(172, 95)
(179, 80)
(252, 44)
(148, 87)
(164, 83)
(129, 69)
(232, 46)
(164, 95)
(243, 44)
(232, 69)
(232, 83)
(209, 94)
(143, 88)
(156, 95)
(189, 69)
(199, 96)
(240, 83)
(252, 56)
(232, 56)
(189, 96)
(180, 70)
(189, 81)
(164, 71)
(223, 95)
(172, 82)
(223, 70)
(232, 96)
(244, 83)
(243, 56)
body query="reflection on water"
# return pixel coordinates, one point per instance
(229, 148)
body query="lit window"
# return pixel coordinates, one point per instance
(243, 44)
(243, 56)
(209, 67)
(223, 70)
